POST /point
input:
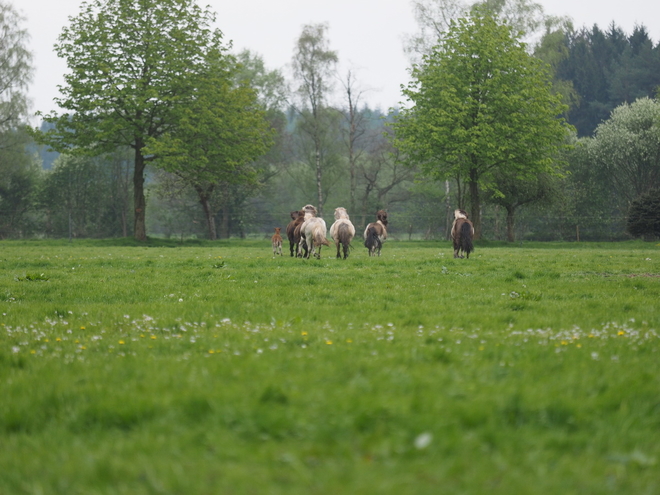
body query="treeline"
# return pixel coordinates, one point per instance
(346, 154)
(598, 70)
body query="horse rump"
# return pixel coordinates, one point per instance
(372, 241)
(344, 237)
(462, 236)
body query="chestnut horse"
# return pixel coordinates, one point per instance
(276, 240)
(376, 233)
(462, 232)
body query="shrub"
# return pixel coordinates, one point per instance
(644, 215)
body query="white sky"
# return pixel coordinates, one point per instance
(367, 34)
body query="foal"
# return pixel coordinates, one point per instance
(462, 232)
(376, 233)
(277, 242)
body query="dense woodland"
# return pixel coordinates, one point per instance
(59, 181)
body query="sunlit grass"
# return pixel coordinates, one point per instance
(220, 369)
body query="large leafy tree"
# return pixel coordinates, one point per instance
(133, 64)
(479, 103)
(217, 137)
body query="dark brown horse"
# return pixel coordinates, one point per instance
(376, 233)
(297, 218)
(462, 232)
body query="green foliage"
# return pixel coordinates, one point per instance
(644, 215)
(133, 68)
(481, 103)
(16, 73)
(606, 69)
(33, 277)
(524, 370)
(625, 147)
(20, 178)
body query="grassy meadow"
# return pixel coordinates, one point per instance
(210, 368)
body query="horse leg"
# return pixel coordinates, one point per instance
(337, 244)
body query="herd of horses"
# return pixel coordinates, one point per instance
(307, 234)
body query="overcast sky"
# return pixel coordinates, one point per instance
(367, 34)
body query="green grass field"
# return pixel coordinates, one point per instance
(216, 368)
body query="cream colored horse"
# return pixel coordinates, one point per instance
(342, 231)
(313, 232)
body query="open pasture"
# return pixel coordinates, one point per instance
(218, 368)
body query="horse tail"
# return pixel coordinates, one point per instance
(369, 237)
(319, 237)
(466, 238)
(344, 235)
(372, 242)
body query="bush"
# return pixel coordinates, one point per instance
(644, 215)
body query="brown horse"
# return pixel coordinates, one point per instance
(276, 240)
(297, 218)
(462, 232)
(376, 233)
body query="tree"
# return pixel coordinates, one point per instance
(355, 129)
(480, 103)
(626, 148)
(20, 176)
(133, 66)
(15, 72)
(434, 18)
(216, 137)
(644, 215)
(313, 66)
(515, 193)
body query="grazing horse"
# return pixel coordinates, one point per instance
(376, 233)
(462, 232)
(313, 232)
(276, 240)
(297, 218)
(342, 231)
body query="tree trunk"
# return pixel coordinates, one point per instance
(139, 203)
(208, 212)
(475, 214)
(510, 224)
(319, 175)
(449, 213)
(224, 224)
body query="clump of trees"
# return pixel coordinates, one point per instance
(217, 144)
(482, 114)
